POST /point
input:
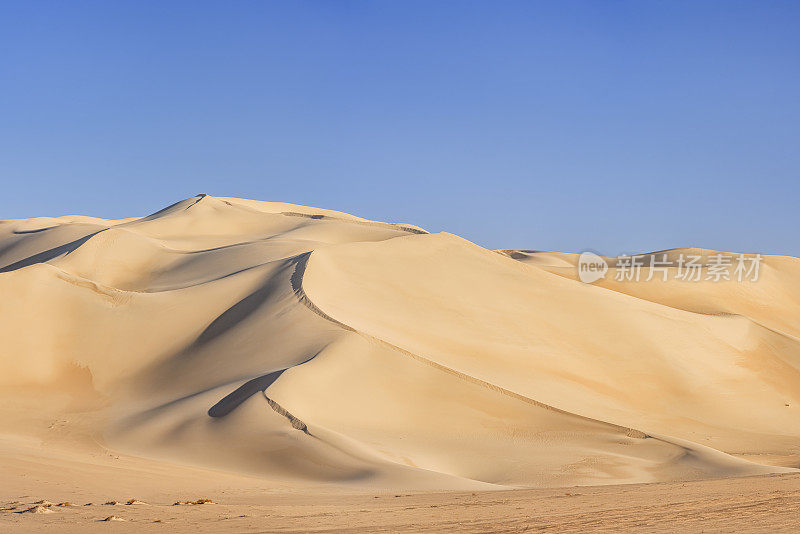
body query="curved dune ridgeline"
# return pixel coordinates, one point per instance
(310, 346)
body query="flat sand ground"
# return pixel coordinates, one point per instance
(769, 503)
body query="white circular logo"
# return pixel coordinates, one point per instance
(591, 267)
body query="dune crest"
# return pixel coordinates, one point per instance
(312, 346)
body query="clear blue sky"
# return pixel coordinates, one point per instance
(616, 126)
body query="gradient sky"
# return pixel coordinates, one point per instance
(606, 125)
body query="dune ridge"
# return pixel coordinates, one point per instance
(309, 346)
(297, 284)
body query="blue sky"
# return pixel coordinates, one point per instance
(613, 126)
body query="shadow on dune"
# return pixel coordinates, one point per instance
(231, 401)
(34, 231)
(48, 255)
(244, 357)
(238, 313)
(189, 202)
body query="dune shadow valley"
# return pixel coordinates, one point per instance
(233, 365)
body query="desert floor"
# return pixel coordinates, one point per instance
(767, 503)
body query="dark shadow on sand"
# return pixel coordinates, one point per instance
(48, 255)
(231, 401)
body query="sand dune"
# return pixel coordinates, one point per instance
(312, 348)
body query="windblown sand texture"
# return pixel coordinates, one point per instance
(312, 348)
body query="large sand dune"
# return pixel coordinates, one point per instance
(311, 347)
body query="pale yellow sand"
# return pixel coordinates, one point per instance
(273, 350)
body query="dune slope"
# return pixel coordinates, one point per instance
(313, 347)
